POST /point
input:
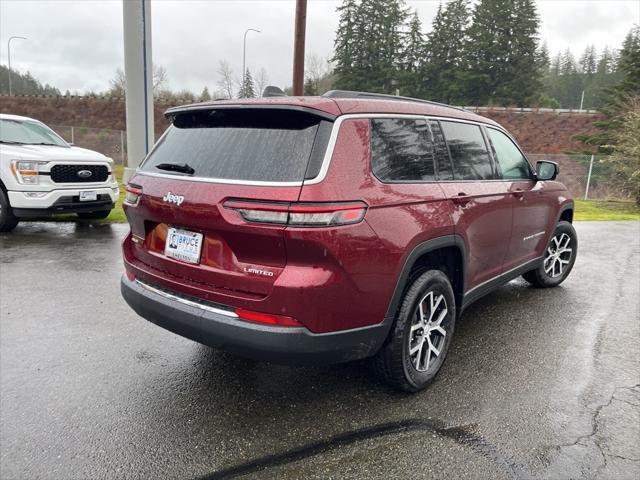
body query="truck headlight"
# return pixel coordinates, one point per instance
(26, 171)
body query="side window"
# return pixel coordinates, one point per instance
(443, 162)
(512, 163)
(468, 150)
(401, 150)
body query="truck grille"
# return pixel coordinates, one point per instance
(79, 173)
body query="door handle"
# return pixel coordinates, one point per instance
(518, 193)
(461, 199)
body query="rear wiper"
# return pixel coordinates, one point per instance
(176, 167)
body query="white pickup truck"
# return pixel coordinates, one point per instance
(41, 175)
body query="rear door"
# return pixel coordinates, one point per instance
(533, 212)
(204, 160)
(482, 204)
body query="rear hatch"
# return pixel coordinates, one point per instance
(181, 228)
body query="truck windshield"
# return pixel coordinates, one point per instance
(28, 133)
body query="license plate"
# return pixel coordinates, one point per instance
(88, 196)
(183, 245)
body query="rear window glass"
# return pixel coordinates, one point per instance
(243, 144)
(401, 150)
(468, 151)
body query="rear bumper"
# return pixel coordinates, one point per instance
(288, 345)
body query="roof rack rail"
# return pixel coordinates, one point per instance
(382, 96)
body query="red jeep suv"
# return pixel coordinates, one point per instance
(334, 228)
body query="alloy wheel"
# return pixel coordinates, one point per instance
(558, 255)
(427, 334)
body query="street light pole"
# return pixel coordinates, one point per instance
(244, 51)
(9, 56)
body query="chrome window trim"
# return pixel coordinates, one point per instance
(338, 123)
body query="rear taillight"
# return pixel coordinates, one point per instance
(299, 214)
(133, 194)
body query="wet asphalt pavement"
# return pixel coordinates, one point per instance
(537, 384)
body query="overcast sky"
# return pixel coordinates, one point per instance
(77, 45)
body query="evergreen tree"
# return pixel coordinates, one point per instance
(501, 53)
(588, 68)
(205, 96)
(629, 65)
(346, 46)
(543, 60)
(23, 84)
(442, 74)
(310, 87)
(247, 89)
(568, 64)
(570, 82)
(621, 100)
(606, 62)
(588, 62)
(413, 58)
(556, 65)
(369, 43)
(549, 72)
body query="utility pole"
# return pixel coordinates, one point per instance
(9, 57)
(298, 47)
(244, 52)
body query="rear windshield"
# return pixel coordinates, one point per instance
(242, 144)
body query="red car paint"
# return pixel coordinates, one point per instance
(336, 278)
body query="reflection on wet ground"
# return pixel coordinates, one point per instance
(538, 383)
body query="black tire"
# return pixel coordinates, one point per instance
(94, 215)
(393, 363)
(8, 221)
(542, 277)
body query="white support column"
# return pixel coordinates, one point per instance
(138, 70)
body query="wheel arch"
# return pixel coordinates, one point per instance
(566, 212)
(447, 253)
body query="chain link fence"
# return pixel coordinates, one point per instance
(112, 143)
(585, 176)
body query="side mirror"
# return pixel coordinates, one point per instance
(546, 170)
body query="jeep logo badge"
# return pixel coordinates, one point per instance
(84, 173)
(173, 198)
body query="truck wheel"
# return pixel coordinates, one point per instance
(559, 258)
(8, 221)
(94, 215)
(419, 340)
